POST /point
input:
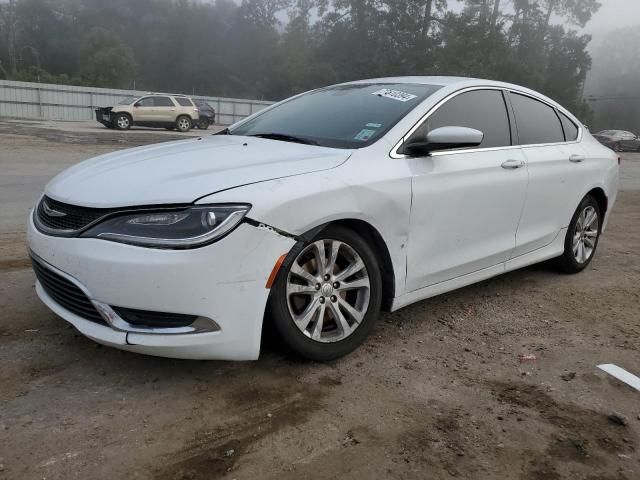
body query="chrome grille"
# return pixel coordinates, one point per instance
(64, 219)
(65, 293)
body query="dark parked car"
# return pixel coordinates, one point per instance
(619, 140)
(206, 113)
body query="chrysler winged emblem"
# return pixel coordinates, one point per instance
(52, 212)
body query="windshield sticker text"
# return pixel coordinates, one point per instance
(395, 94)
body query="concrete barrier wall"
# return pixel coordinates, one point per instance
(43, 101)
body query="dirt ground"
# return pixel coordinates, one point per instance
(437, 392)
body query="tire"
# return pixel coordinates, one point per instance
(617, 147)
(122, 121)
(183, 123)
(203, 124)
(323, 295)
(585, 240)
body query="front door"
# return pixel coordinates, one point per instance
(466, 204)
(143, 110)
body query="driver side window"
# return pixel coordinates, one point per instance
(483, 110)
(145, 102)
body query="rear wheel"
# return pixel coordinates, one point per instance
(582, 237)
(327, 295)
(617, 147)
(122, 121)
(183, 123)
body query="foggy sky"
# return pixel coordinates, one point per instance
(614, 14)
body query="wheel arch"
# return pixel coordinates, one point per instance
(376, 241)
(601, 198)
(124, 112)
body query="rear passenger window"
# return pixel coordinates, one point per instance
(483, 110)
(163, 102)
(537, 122)
(570, 129)
(185, 102)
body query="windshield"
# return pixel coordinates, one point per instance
(342, 116)
(127, 101)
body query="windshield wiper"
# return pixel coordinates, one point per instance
(284, 137)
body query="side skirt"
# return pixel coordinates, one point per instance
(554, 249)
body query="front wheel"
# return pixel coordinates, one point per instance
(122, 121)
(203, 124)
(617, 147)
(183, 123)
(327, 295)
(582, 237)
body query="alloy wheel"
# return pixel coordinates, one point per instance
(123, 122)
(586, 234)
(184, 124)
(328, 290)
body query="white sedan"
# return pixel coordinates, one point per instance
(311, 216)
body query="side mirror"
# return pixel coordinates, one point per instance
(444, 138)
(137, 104)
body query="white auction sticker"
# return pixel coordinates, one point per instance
(395, 94)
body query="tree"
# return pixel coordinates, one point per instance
(9, 23)
(246, 49)
(107, 61)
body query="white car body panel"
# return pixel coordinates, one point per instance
(444, 225)
(470, 187)
(224, 281)
(184, 170)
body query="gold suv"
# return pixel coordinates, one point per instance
(153, 110)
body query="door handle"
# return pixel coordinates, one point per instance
(512, 164)
(576, 158)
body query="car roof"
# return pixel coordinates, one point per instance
(427, 80)
(456, 83)
(453, 83)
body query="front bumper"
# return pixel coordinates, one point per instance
(104, 116)
(224, 281)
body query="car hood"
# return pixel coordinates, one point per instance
(185, 170)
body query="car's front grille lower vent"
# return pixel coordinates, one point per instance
(65, 293)
(63, 219)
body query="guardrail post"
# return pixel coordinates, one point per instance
(40, 112)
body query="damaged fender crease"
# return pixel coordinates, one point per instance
(264, 226)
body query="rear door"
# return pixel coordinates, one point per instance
(467, 202)
(556, 173)
(164, 109)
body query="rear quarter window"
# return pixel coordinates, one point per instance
(536, 121)
(185, 102)
(570, 128)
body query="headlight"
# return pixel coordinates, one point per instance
(180, 228)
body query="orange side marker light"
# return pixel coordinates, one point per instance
(274, 272)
